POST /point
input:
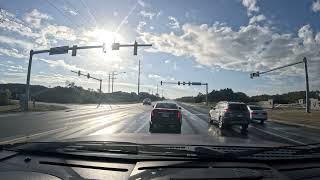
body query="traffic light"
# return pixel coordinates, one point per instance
(104, 48)
(79, 73)
(115, 46)
(88, 76)
(196, 83)
(189, 83)
(161, 83)
(135, 48)
(184, 83)
(74, 50)
(179, 83)
(255, 74)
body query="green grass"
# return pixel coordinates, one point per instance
(296, 116)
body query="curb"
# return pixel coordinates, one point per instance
(295, 124)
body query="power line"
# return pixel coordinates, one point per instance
(77, 11)
(89, 12)
(62, 13)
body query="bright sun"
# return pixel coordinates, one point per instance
(105, 36)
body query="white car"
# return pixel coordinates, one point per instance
(257, 113)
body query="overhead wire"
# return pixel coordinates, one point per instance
(62, 13)
(89, 12)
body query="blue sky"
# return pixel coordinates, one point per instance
(214, 41)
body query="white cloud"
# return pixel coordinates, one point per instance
(16, 42)
(71, 11)
(258, 18)
(315, 6)
(35, 17)
(115, 13)
(173, 23)
(251, 48)
(251, 6)
(141, 3)
(146, 14)
(12, 24)
(154, 76)
(52, 33)
(12, 53)
(167, 61)
(141, 25)
(59, 63)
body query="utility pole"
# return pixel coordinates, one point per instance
(304, 61)
(139, 79)
(112, 80)
(307, 85)
(114, 73)
(157, 90)
(207, 103)
(109, 78)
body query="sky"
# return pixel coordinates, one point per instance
(219, 42)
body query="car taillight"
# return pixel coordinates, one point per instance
(253, 113)
(179, 114)
(226, 110)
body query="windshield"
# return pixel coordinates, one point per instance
(238, 107)
(160, 72)
(166, 105)
(255, 108)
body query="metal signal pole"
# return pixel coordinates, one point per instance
(139, 78)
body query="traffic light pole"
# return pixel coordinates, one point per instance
(51, 51)
(90, 77)
(139, 79)
(257, 74)
(190, 83)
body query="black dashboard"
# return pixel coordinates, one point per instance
(19, 166)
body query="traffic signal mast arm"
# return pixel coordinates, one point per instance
(281, 67)
(87, 75)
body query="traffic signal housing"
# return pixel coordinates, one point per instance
(135, 48)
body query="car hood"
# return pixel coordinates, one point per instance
(176, 139)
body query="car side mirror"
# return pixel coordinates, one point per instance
(153, 106)
(179, 107)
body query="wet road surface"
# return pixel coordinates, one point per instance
(87, 120)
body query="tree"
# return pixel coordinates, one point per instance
(4, 97)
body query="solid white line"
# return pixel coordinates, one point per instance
(286, 138)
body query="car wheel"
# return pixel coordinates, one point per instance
(151, 128)
(262, 122)
(210, 121)
(221, 125)
(178, 131)
(244, 129)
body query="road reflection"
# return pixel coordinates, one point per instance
(213, 130)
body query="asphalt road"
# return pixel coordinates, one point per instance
(87, 120)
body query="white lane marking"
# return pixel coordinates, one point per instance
(141, 127)
(274, 134)
(29, 137)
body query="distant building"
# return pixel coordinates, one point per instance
(314, 104)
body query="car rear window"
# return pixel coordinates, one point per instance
(238, 107)
(167, 105)
(255, 108)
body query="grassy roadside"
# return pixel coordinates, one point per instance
(14, 107)
(296, 116)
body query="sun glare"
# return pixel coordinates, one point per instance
(105, 36)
